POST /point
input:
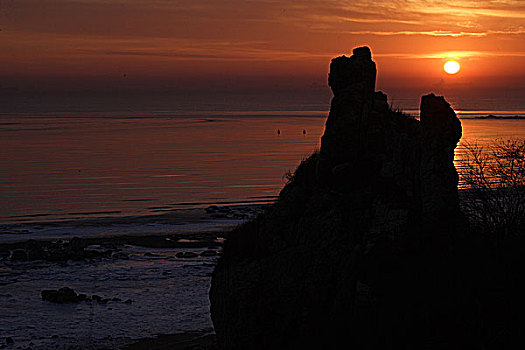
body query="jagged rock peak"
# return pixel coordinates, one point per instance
(365, 210)
(436, 113)
(363, 51)
(440, 132)
(357, 72)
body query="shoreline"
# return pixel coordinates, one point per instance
(136, 268)
(90, 239)
(179, 221)
(152, 211)
(142, 256)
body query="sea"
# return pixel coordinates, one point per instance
(75, 163)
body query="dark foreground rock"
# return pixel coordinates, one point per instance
(60, 251)
(68, 295)
(19, 255)
(87, 249)
(378, 208)
(63, 295)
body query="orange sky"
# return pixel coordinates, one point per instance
(191, 43)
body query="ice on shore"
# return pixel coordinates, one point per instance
(170, 295)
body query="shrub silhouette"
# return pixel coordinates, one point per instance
(494, 180)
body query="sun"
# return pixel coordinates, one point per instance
(451, 67)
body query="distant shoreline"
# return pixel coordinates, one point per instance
(491, 116)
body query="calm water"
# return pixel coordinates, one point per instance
(68, 166)
(63, 168)
(73, 166)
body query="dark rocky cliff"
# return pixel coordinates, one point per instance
(360, 235)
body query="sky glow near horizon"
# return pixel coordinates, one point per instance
(51, 43)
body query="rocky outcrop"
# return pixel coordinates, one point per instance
(63, 295)
(359, 215)
(68, 295)
(440, 132)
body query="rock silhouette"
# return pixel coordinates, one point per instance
(356, 247)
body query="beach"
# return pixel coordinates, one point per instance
(262, 175)
(142, 278)
(151, 204)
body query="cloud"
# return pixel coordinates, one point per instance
(409, 17)
(123, 33)
(164, 18)
(451, 54)
(437, 33)
(440, 33)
